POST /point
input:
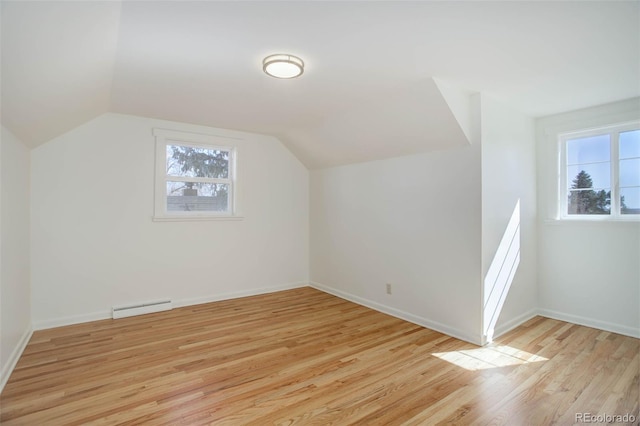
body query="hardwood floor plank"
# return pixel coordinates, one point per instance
(305, 357)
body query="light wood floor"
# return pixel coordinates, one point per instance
(305, 357)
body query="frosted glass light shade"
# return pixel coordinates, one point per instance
(283, 66)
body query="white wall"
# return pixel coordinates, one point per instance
(94, 244)
(589, 273)
(15, 305)
(411, 221)
(383, 221)
(509, 177)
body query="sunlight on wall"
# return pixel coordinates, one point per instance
(501, 272)
(489, 357)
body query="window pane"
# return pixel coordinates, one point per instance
(630, 200)
(195, 196)
(589, 202)
(589, 176)
(588, 150)
(630, 144)
(188, 161)
(630, 172)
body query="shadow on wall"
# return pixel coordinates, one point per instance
(500, 274)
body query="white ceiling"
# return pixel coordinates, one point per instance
(367, 92)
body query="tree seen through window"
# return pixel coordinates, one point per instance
(583, 199)
(185, 162)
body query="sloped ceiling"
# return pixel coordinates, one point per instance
(372, 86)
(57, 65)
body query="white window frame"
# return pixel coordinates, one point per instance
(164, 137)
(613, 131)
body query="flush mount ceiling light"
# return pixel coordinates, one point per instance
(283, 65)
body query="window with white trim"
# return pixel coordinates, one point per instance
(600, 173)
(195, 176)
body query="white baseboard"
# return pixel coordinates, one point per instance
(398, 313)
(237, 294)
(73, 319)
(513, 323)
(7, 369)
(106, 314)
(590, 322)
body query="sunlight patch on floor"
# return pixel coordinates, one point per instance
(489, 357)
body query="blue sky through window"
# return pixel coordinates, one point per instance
(629, 148)
(593, 155)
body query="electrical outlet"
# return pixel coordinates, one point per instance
(388, 288)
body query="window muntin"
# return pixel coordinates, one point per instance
(600, 176)
(195, 176)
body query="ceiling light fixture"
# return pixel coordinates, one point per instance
(283, 65)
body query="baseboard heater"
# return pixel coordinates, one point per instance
(141, 308)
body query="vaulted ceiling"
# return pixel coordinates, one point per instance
(376, 77)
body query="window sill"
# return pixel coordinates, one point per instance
(592, 221)
(185, 218)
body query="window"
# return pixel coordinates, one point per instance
(195, 176)
(600, 176)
